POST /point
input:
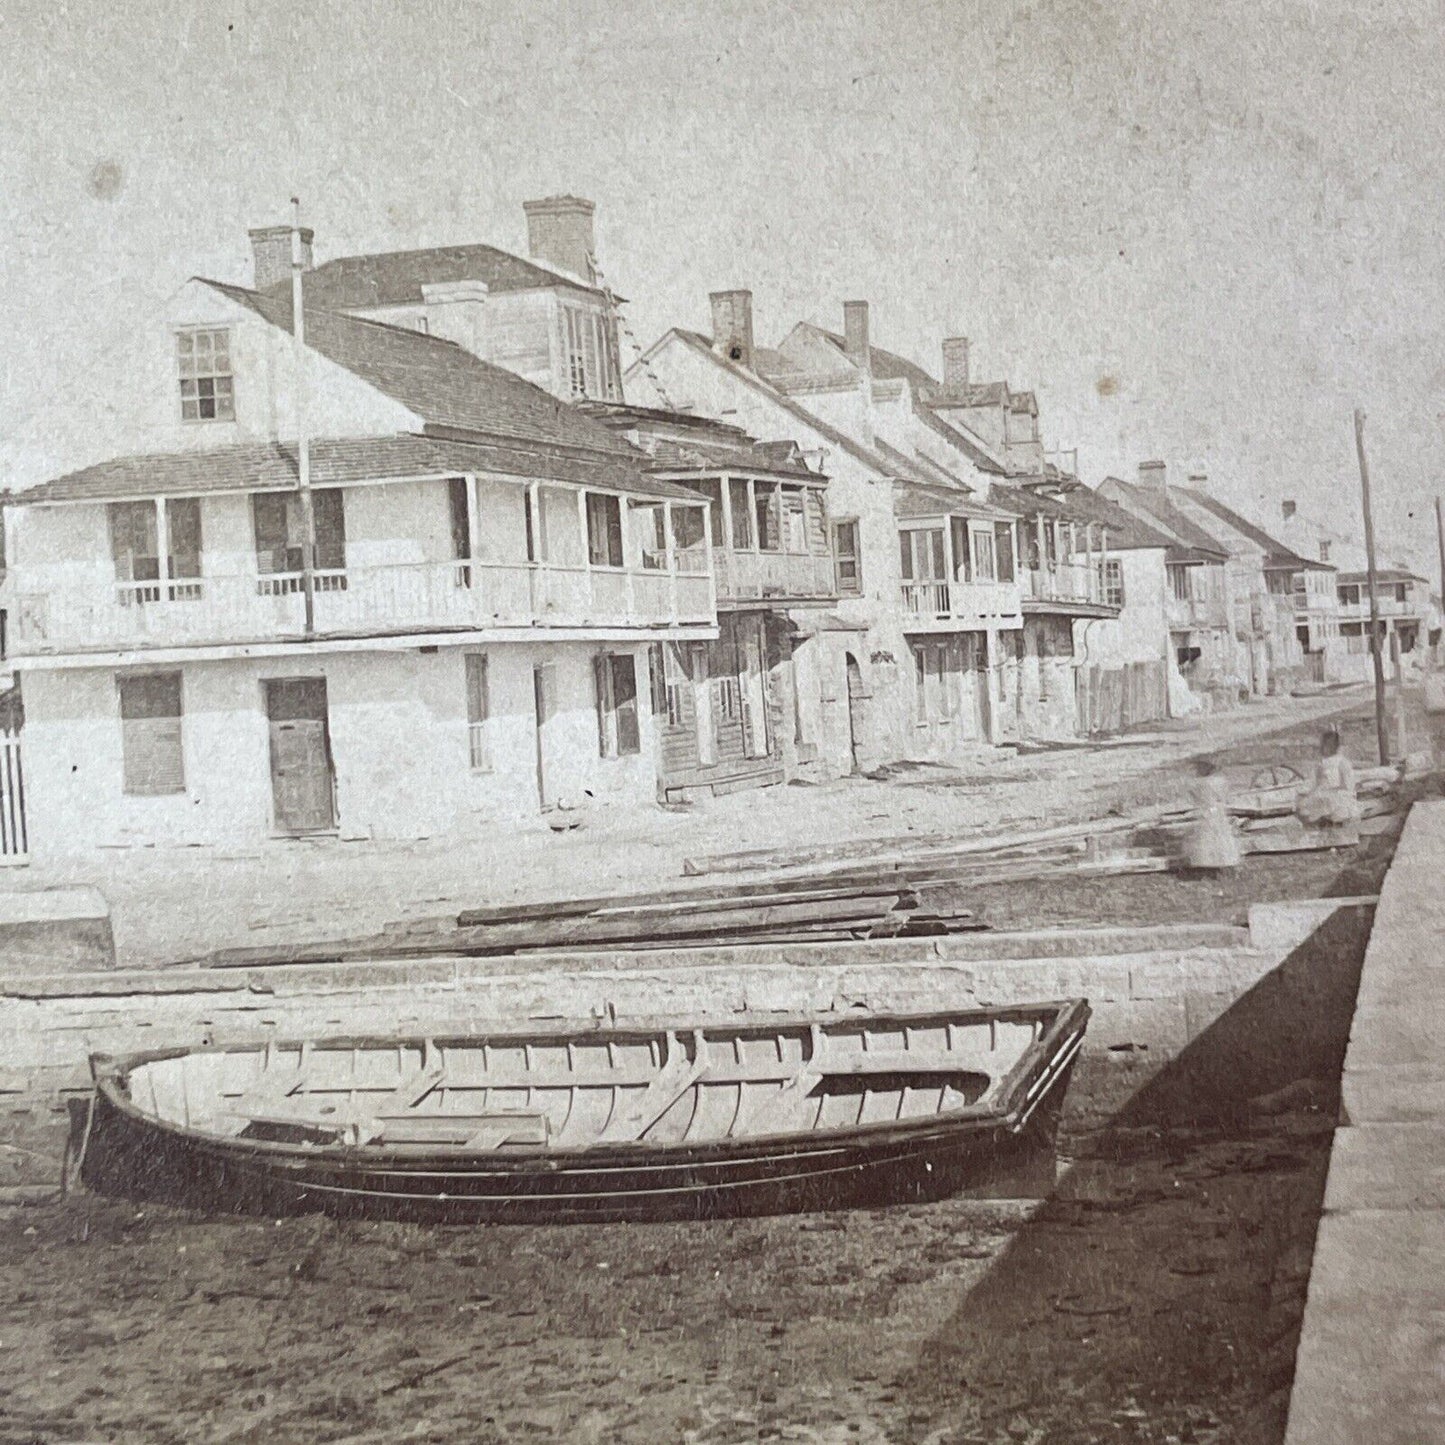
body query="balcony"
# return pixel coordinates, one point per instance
(1189, 614)
(746, 576)
(961, 606)
(1067, 587)
(382, 601)
(1388, 607)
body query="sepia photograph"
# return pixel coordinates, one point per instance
(722, 723)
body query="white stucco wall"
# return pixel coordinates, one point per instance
(399, 742)
(890, 729)
(130, 404)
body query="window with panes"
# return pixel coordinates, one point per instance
(208, 388)
(847, 564)
(591, 364)
(1114, 582)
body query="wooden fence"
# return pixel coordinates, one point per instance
(14, 841)
(1111, 699)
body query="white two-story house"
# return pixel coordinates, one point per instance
(907, 661)
(467, 641)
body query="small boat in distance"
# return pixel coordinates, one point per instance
(736, 1117)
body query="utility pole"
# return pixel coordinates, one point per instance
(303, 439)
(1440, 538)
(1381, 731)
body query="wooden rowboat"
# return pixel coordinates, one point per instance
(617, 1122)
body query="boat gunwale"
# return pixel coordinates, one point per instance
(1070, 1018)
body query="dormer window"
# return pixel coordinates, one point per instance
(591, 355)
(207, 386)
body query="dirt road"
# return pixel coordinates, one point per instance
(178, 903)
(1154, 1300)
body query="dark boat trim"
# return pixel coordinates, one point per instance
(637, 1178)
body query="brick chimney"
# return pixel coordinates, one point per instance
(559, 235)
(732, 325)
(955, 363)
(1153, 474)
(855, 334)
(1199, 481)
(271, 255)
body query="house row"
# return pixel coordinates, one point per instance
(394, 546)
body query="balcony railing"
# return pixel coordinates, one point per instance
(1066, 582)
(1187, 613)
(744, 576)
(964, 605)
(360, 601)
(1388, 607)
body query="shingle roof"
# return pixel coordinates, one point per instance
(272, 466)
(1277, 555)
(973, 393)
(441, 382)
(1185, 532)
(395, 278)
(958, 437)
(671, 455)
(867, 455)
(912, 500)
(886, 365)
(1382, 574)
(1126, 532)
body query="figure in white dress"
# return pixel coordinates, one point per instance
(1331, 799)
(1211, 843)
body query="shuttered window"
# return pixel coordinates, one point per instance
(618, 731)
(604, 530)
(150, 727)
(479, 741)
(846, 562)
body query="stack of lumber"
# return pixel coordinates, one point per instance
(781, 911)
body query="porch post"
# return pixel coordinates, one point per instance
(671, 556)
(534, 515)
(163, 550)
(629, 558)
(474, 530)
(711, 569)
(722, 557)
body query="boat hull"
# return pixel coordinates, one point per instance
(1005, 1153)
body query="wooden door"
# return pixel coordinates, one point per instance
(757, 734)
(856, 705)
(303, 794)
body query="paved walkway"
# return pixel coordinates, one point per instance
(1371, 1360)
(169, 904)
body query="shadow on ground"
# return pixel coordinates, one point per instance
(1158, 1296)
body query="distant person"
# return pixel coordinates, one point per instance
(1331, 800)
(1211, 844)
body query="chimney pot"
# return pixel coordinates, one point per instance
(855, 333)
(560, 235)
(732, 325)
(955, 362)
(271, 255)
(1287, 508)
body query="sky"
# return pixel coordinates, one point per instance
(1199, 232)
